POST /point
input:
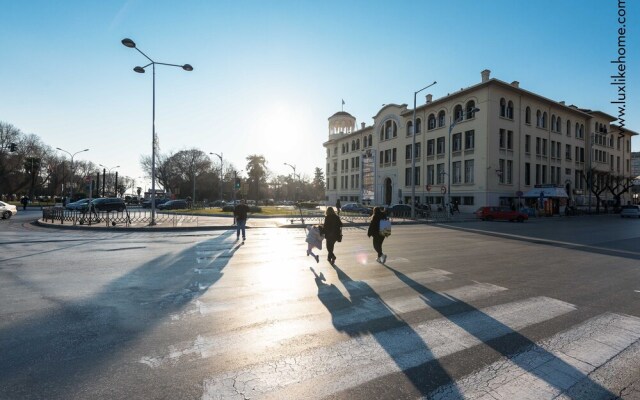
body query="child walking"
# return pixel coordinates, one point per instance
(314, 238)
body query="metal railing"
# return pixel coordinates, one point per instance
(113, 218)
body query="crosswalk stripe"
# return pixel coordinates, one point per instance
(555, 366)
(370, 355)
(304, 323)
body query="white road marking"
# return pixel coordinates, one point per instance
(271, 333)
(553, 367)
(367, 356)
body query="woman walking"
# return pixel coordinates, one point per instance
(374, 231)
(332, 232)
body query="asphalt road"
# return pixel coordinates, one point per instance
(545, 309)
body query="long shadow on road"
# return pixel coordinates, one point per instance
(516, 343)
(57, 352)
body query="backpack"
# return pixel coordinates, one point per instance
(385, 227)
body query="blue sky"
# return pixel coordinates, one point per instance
(268, 74)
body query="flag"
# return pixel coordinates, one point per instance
(342, 101)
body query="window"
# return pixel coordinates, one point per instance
(553, 122)
(527, 116)
(568, 128)
(538, 180)
(418, 125)
(527, 174)
(430, 172)
(544, 147)
(431, 121)
(558, 149)
(502, 138)
(510, 109)
(538, 119)
(527, 144)
(503, 107)
(567, 152)
(409, 128)
(559, 125)
(471, 105)
(417, 174)
(441, 121)
(393, 155)
(456, 167)
(407, 176)
(457, 142)
(544, 174)
(407, 152)
(467, 201)
(468, 171)
(501, 171)
(509, 172)
(381, 158)
(370, 140)
(440, 171)
(431, 147)
(469, 140)
(553, 149)
(509, 140)
(544, 119)
(457, 113)
(418, 152)
(389, 130)
(440, 145)
(538, 146)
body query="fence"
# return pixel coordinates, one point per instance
(113, 218)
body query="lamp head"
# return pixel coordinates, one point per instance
(139, 70)
(129, 43)
(187, 67)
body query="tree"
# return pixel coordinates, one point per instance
(618, 185)
(257, 171)
(318, 184)
(598, 184)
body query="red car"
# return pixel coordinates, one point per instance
(490, 213)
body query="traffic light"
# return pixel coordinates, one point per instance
(13, 147)
(238, 183)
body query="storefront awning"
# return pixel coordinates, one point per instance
(548, 192)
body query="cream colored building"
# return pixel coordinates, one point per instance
(517, 144)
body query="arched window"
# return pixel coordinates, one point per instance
(510, 109)
(503, 107)
(353, 145)
(418, 125)
(582, 131)
(471, 105)
(409, 128)
(577, 130)
(559, 125)
(342, 148)
(388, 130)
(457, 113)
(538, 119)
(441, 121)
(370, 140)
(568, 128)
(553, 122)
(431, 122)
(357, 144)
(527, 115)
(544, 119)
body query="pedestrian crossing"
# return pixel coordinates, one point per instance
(382, 322)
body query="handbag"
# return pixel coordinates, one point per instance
(385, 227)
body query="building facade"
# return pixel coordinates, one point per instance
(492, 143)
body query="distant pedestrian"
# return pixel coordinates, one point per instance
(240, 212)
(315, 236)
(24, 200)
(374, 232)
(338, 206)
(332, 232)
(455, 207)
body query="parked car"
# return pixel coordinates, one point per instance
(630, 211)
(109, 204)
(217, 203)
(490, 213)
(173, 205)
(356, 208)
(7, 210)
(78, 205)
(147, 203)
(399, 210)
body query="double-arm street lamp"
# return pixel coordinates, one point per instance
(115, 189)
(451, 125)
(220, 157)
(71, 155)
(413, 154)
(295, 193)
(131, 44)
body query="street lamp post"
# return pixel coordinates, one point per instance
(221, 164)
(108, 172)
(132, 45)
(413, 154)
(451, 125)
(72, 171)
(295, 194)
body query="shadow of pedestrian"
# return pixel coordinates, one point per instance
(517, 343)
(364, 312)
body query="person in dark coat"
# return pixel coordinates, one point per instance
(240, 213)
(374, 232)
(332, 231)
(338, 206)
